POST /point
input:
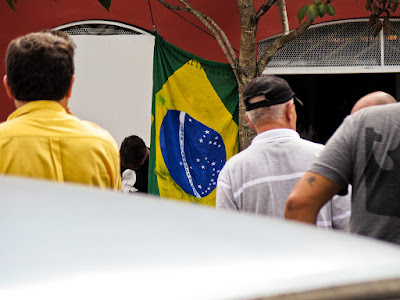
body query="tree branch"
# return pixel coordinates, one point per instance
(263, 9)
(174, 7)
(210, 24)
(279, 43)
(219, 30)
(284, 17)
(224, 37)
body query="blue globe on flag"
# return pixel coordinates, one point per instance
(193, 153)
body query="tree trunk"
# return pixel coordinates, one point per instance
(246, 132)
(247, 67)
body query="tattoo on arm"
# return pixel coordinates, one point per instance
(311, 179)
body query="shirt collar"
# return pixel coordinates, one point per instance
(275, 134)
(36, 105)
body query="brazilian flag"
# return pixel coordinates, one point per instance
(194, 124)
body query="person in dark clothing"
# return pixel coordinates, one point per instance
(134, 164)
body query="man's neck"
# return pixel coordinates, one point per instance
(271, 126)
(63, 102)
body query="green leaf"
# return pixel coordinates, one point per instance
(301, 13)
(312, 11)
(317, 1)
(11, 4)
(105, 3)
(323, 8)
(331, 10)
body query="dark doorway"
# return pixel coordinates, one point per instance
(328, 99)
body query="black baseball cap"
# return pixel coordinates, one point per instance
(275, 89)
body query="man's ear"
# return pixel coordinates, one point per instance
(248, 121)
(69, 93)
(7, 87)
(291, 115)
(289, 111)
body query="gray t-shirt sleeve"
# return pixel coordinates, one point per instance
(336, 160)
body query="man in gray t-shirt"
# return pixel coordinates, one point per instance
(259, 179)
(365, 152)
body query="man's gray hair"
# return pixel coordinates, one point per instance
(265, 115)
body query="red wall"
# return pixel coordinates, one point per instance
(38, 14)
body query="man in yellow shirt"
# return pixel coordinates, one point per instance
(41, 139)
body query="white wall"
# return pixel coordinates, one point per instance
(113, 84)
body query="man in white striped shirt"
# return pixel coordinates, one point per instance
(259, 179)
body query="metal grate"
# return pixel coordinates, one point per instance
(392, 46)
(99, 29)
(343, 44)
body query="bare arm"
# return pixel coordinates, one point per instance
(308, 197)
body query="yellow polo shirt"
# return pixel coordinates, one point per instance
(41, 140)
